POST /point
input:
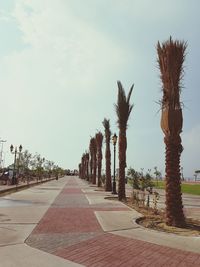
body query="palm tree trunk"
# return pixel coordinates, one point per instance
(108, 182)
(108, 169)
(99, 140)
(87, 157)
(122, 164)
(80, 169)
(99, 168)
(174, 206)
(91, 168)
(94, 169)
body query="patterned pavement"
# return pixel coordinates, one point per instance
(70, 230)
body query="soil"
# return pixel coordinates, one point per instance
(154, 219)
(157, 222)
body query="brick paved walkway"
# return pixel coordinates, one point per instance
(69, 229)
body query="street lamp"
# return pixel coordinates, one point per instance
(114, 139)
(15, 152)
(1, 162)
(182, 178)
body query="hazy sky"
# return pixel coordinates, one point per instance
(59, 64)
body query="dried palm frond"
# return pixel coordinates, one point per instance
(171, 55)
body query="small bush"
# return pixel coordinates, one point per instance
(139, 180)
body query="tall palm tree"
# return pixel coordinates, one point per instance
(95, 161)
(80, 170)
(87, 157)
(106, 124)
(83, 166)
(99, 140)
(171, 55)
(91, 160)
(93, 149)
(123, 109)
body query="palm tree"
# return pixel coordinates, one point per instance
(83, 166)
(99, 140)
(95, 160)
(123, 110)
(91, 160)
(87, 157)
(80, 170)
(93, 151)
(171, 55)
(106, 124)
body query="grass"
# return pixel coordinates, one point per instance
(193, 189)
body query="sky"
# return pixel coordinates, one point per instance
(60, 61)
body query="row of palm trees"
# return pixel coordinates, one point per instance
(93, 159)
(171, 55)
(90, 161)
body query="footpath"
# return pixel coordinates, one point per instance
(84, 228)
(80, 227)
(6, 189)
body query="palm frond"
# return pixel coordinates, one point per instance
(171, 56)
(129, 94)
(106, 124)
(123, 108)
(99, 139)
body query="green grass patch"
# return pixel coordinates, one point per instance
(159, 184)
(193, 189)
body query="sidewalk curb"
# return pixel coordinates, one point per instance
(14, 189)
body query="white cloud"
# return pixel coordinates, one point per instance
(64, 62)
(57, 87)
(5, 16)
(73, 49)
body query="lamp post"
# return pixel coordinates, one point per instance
(15, 152)
(4, 158)
(1, 155)
(182, 178)
(114, 139)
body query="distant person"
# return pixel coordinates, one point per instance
(10, 177)
(10, 174)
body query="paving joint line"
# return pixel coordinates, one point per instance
(124, 229)
(10, 223)
(14, 244)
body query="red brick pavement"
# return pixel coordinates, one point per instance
(92, 247)
(113, 250)
(71, 191)
(68, 220)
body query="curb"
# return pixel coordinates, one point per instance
(21, 187)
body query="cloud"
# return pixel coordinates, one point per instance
(60, 81)
(62, 50)
(54, 77)
(5, 16)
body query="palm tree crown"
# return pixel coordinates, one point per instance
(123, 107)
(171, 55)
